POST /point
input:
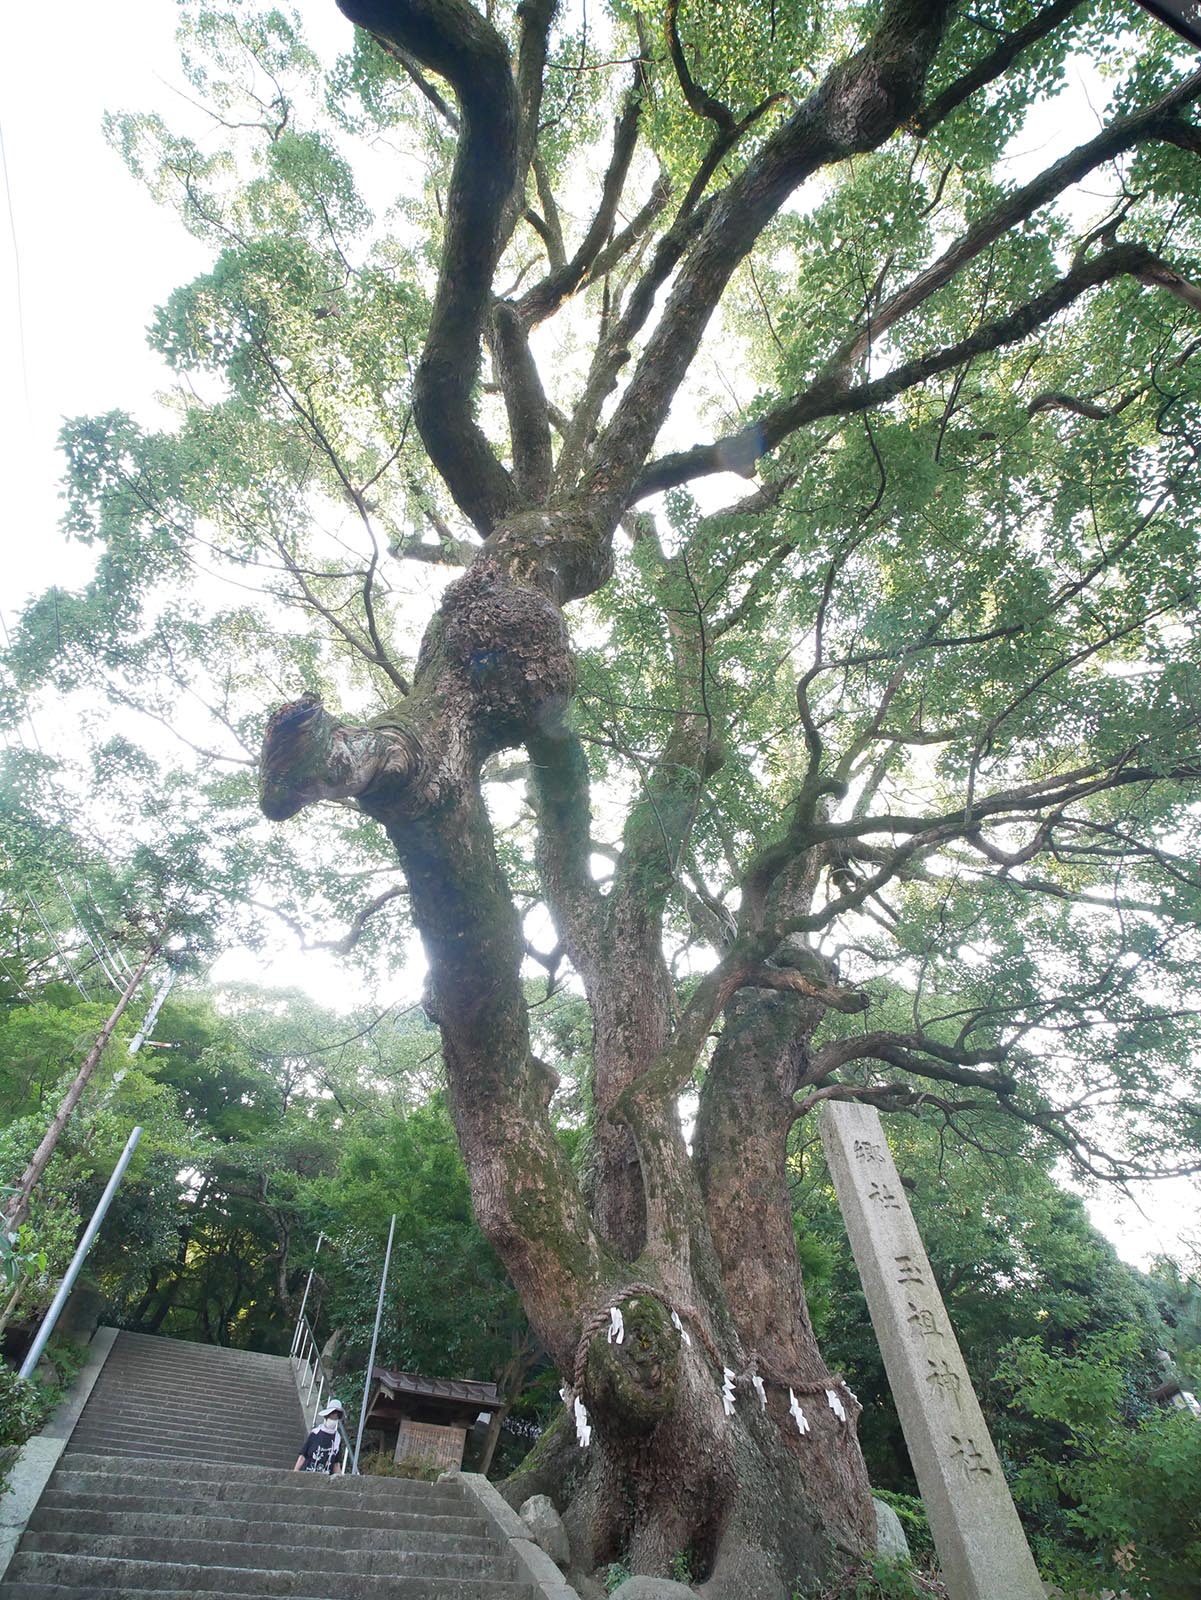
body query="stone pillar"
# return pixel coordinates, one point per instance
(980, 1543)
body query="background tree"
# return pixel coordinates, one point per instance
(906, 734)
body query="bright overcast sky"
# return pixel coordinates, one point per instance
(85, 256)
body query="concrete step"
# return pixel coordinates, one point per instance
(137, 1382)
(332, 1559)
(290, 1504)
(157, 1430)
(176, 1485)
(25, 1590)
(211, 1455)
(159, 1426)
(253, 1408)
(466, 1537)
(89, 1473)
(63, 1591)
(153, 1344)
(129, 1390)
(211, 1381)
(64, 1508)
(101, 1575)
(404, 1589)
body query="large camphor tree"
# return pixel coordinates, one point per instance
(732, 524)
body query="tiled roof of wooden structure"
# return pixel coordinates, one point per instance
(468, 1391)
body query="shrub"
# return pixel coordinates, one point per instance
(1126, 1494)
(24, 1406)
(876, 1577)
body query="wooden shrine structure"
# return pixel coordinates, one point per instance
(429, 1417)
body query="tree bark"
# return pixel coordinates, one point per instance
(17, 1208)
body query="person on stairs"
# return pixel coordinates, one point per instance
(322, 1450)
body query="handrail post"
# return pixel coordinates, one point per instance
(305, 1297)
(379, 1311)
(77, 1260)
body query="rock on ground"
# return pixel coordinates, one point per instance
(546, 1529)
(890, 1536)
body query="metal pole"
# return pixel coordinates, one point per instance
(77, 1260)
(379, 1311)
(305, 1298)
(147, 1028)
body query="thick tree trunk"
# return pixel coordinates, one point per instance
(747, 1111)
(667, 1472)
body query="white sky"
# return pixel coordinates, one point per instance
(85, 256)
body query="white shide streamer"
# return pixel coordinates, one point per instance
(727, 1391)
(835, 1405)
(797, 1415)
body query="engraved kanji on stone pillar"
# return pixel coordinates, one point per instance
(981, 1546)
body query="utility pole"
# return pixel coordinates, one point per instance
(16, 1209)
(147, 1028)
(379, 1311)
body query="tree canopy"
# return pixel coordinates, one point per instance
(718, 504)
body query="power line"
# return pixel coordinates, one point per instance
(87, 933)
(62, 956)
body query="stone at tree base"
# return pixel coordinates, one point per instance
(653, 1589)
(585, 1585)
(546, 1528)
(890, 1535)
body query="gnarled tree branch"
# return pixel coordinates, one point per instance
(829, 397)
(450, 37)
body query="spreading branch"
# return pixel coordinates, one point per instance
(546, 297)
(857, 108)
(994, 64)
(830, 397)
(450, 37)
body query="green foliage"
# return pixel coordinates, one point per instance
(23, 1409)
(969, 590)
(613, 1575)
(1060, 1340)
(1016, 1258)
(25, 1403)
(449, 1309)
(1004, 572)
(876, 1577)
(681, 1570)
(1124, 1491)
(1178, 1298)
(379, 1464)
(20, 1257)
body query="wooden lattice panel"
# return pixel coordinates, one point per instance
(432, 1443)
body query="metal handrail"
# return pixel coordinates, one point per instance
(304, 1349)
(307, 1354)
(77, 1260)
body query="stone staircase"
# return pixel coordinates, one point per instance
(172, 1399)
(176, 1485)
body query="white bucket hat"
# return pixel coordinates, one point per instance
(334, 1405)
